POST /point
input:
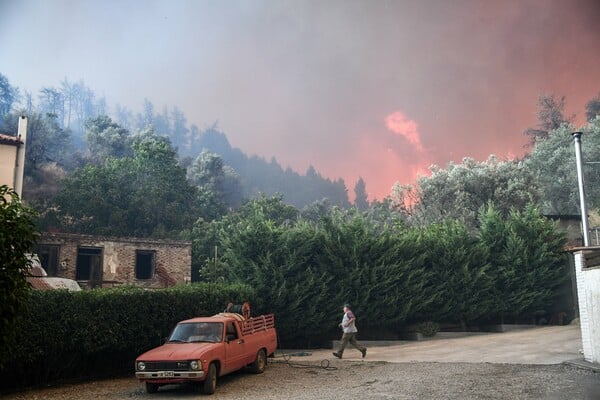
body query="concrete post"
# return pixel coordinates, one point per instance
(20, 167)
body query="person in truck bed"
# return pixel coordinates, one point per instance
(348, 326)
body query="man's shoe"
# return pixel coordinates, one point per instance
(338, 355)
(364, 352)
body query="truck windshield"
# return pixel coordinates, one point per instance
(197, 332)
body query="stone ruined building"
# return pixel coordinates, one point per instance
(96, 261)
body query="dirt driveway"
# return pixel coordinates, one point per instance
(537, 345)
(474, 367)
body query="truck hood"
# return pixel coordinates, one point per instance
(177, 351)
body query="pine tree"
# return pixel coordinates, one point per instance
(361, 201)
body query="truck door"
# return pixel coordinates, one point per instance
(235, 348)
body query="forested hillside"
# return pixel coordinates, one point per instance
(90, 168)
(259, 176)
(71, 126)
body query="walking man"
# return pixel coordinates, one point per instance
(348, 326)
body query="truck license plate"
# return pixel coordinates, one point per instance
(165, 374)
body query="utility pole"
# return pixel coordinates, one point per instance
(584, 219)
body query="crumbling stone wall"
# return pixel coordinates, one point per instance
(173, 259)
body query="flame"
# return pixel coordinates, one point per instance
(399, 124)
(385, 159)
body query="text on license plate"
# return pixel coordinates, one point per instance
(165, 374)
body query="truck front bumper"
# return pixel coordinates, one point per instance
(169, 375)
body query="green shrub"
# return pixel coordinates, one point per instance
(17, 237)
(428, 328)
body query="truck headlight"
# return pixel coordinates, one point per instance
(141, 366)
(196, 364)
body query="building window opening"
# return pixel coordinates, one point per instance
(48, 255)
(89, 266)
(144, 264)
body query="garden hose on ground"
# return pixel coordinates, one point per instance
(287, 357)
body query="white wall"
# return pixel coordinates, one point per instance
(588, 294)
(8, 156)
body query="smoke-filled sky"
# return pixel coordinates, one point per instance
(372, 88)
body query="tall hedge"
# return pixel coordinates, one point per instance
(377, 268)
(459, 282)
(528, 262)
(394, 275)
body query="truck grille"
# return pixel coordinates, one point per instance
(167, 366)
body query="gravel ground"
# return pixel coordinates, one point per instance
(361, 380)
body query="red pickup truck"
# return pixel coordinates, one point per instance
(201, 349)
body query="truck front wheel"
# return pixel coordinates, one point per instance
(151, 387)
(210, 383)
(260, 364)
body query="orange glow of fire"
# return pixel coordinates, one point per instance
(399, 124)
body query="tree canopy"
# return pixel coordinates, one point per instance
(460, 190)
(550, 117)
(8, 95)
(146, 194)
(592, 108)
(552, 161)
(106, 138)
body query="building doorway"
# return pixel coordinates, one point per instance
(89, 266)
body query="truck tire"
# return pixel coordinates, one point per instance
(151, 387)
(210, 383)
(260, 364)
